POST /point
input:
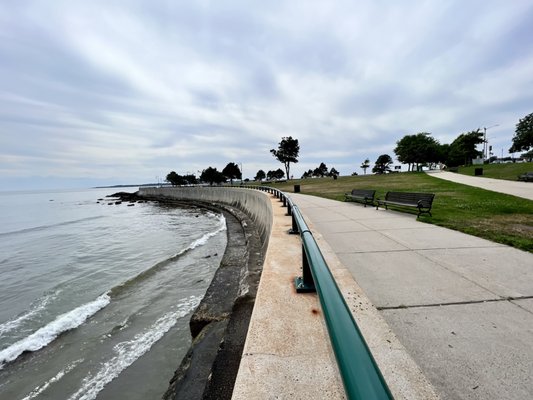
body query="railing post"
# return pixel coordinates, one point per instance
(294, 230)
(305, 283)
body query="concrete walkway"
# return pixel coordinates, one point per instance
(287, 354)
(515, 188)
(462, 306)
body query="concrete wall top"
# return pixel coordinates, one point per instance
(253, 202)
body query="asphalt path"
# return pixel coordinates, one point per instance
(515, 188)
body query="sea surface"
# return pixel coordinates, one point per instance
(95, 298)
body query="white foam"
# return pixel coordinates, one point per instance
(35, 309)
(205, 238)
(128, 352)
(48, 333)
(39, 389)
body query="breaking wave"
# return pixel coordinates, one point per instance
(45, 335)
(35, 309)
(126, 353)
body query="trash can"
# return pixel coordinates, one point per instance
(478, 171)
(296, 188)
(334, 177)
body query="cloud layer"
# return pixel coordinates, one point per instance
(125, 91)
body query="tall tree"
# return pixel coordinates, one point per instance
(464, 148)
(260, 175)
(212, 175)
(232, 171)
(382, 164)
(523, 138)
(287, 152)
(365, 165)
(417, 149)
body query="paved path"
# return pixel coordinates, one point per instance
(515, 188)
(461, 305)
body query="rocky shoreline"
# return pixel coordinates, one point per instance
(220, 323)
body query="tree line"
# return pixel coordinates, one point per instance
(209, 175)
(414, 150)
(422, 149)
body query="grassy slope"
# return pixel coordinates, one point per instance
(508, 172)
(498, 217)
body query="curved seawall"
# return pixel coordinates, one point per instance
(220, 323)
(254, 203)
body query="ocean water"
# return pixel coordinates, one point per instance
(95, 299)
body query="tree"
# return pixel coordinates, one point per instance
(365, 165)
(320, 171)
(277, 174)
(523, 138)
(287, 152)
(417, 149)
(174, 179)
(211, 175)
(464, 148)
(307, 174)
(382, 164)
(333, 172)
(231, 172)
(190, 179)
(260, 175)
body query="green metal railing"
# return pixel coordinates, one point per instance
(360, 374)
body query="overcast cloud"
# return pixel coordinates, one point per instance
(110, 92)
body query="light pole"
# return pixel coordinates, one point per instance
(485, 142)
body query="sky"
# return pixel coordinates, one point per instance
(123, 91)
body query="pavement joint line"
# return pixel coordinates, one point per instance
(521, 307)
(415, 249)
(456, 303)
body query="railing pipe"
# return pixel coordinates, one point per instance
(360, 374)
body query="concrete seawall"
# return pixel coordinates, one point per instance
(219, 324)
(254, 203)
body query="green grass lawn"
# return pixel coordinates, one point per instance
(508, 172)
(498, 217)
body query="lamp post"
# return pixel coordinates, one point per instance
(485, 142)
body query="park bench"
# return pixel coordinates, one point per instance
(527, 177)
(365, 196)
(421, 201)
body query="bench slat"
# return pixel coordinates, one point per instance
(366, 196)
(421, 201)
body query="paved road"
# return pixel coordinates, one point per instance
(516, 188)
(461, 305)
